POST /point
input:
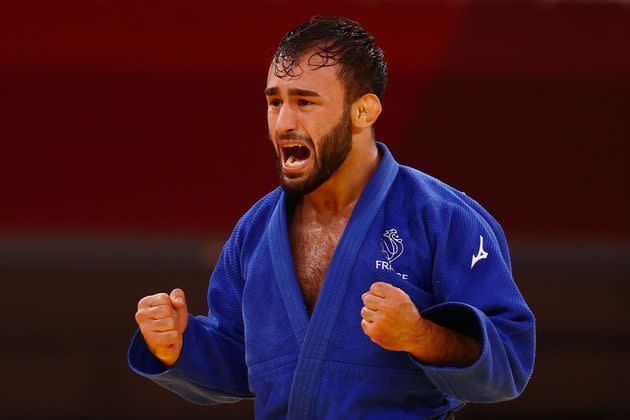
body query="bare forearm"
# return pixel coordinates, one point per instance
(442, 346)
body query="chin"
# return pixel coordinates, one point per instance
(295, 186)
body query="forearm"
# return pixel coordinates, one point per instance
(441, 346)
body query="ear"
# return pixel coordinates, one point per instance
(365, 110)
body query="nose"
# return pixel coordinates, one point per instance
(286, 121)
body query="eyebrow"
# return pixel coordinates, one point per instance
(273, 91)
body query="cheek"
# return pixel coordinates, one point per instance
(316, 134)
(271, 119)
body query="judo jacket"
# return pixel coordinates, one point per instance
(408, 229)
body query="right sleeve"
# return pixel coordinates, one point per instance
(211, 367)
(480, 300)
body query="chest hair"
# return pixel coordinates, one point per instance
(312, 246)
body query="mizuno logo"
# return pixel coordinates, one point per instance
(480, 255)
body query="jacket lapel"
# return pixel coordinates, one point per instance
(284, 269)
(313, 335)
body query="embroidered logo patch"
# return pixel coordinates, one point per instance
(392, 248)
(392, 245)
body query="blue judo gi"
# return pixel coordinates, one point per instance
(407, 229)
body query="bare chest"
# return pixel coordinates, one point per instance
(312, 246)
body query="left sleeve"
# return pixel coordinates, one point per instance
(211, 368)
(476, 296)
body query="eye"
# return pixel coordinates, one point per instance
(275, 102)
(304, 102)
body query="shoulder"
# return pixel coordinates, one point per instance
(262, 209)
(441, 204)
(432, 193)
(247, 232)
(450, 215)
(257, 216)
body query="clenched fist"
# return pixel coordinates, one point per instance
(390, 318)
(162, 320)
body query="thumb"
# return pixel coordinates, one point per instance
(178, 300)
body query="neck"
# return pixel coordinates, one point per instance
(338, 195)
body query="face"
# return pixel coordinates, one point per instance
(309, 126)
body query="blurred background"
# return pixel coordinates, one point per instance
(134, 136)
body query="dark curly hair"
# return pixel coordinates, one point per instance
(335, 40)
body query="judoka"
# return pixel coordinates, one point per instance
(359, 288)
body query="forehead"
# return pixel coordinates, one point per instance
(307, 74)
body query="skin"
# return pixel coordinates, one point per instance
(320, 217)
(393, 321)
(162, 319)
(314, 116)
(389, 317)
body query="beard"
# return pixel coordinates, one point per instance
(332, 153)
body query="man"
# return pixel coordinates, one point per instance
(358, 288)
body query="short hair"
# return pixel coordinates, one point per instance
(336, 40)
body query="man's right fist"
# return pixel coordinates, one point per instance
(162, 320)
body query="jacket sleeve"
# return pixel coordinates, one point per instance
(476, 296)
(211, 367)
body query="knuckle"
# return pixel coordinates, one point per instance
(144, 302)
(402, 295)
(161, 298)
(407, 305)
(161, 311)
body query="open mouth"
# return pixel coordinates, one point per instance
(295, 156)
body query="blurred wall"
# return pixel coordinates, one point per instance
(134, 136)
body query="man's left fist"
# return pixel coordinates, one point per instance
(390, 318)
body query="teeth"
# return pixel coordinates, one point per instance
(292, 162)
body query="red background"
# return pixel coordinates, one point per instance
(133, 136)
(149, 116)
